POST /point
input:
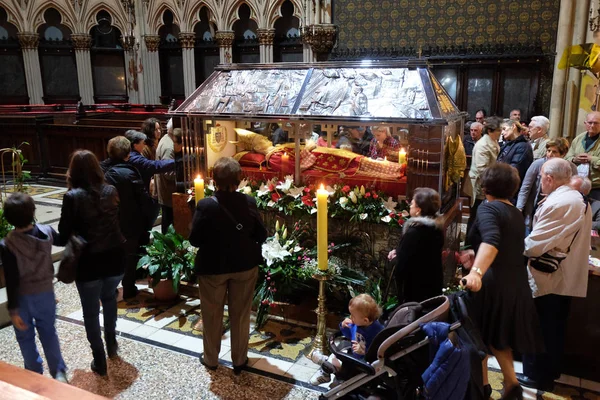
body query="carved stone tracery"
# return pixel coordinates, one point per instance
(152, 42)
(187, 39)
(28, 40)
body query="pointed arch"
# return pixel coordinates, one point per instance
(231, 13)
(67, 16)
(155, 21)
(13, 16)
(89, 19)
(194, 15)
(274, 11)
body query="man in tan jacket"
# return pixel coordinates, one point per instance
(585, 152)
(561, 228)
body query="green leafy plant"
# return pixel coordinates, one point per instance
(374, 290)
(5, 227)
(290, 263)
(170, 257)
(18, 160)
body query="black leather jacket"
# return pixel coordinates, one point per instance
(93, 216)
(137, 210)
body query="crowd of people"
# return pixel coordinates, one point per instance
(531, 196)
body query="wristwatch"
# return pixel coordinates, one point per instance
(477, 271)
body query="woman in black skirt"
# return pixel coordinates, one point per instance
(500, 302)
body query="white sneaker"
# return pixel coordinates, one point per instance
(319, 378)
(318, 358)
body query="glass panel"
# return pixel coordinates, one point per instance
(291, 57)
(176, 73)
(13, 76)
(249, 58)
(517, 91)
(59, 75)
(210, 62)
(448, 78)
(109, 74)
(479, 90)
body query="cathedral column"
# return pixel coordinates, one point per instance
(265, 41)
(188, 40)
(31, 61)
(225, 41)
(152, 69)
(82, 43)
(564, 39)
(130, 46)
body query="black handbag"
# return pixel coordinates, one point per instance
(67, 270)
(548, 263)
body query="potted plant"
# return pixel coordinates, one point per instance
(169, 260)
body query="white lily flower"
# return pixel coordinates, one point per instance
(211, 185)
(271, 203)
(297, 249)
(330, 190)
(363, 216)
(247, 190)
(272, 250)
(390, 204)
(353, 197)
(386, 219)
(285, 186)
(264, 189)
(343, 201)
(362, 190)
(405, 213)
(295, 191)
(313, 210)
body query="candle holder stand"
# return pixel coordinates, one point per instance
(319, 342)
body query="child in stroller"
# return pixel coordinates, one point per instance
(393, 365)
(361, 328)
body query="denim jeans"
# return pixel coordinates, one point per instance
(91, 293)
(38, 311)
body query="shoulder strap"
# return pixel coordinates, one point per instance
(238, 226)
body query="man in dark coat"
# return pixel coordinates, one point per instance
(136, 208)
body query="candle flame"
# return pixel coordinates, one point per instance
(199, 177)
(322, 187)
(402, 151)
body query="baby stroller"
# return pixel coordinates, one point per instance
(395, 360)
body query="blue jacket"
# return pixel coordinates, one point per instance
(148, 168)
(364, 335)
(447, 376)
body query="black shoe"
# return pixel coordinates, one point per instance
(112, 347)
(130, 293)
(487, 391)
(211, 367)
(533, 384)
(99, 367)
(237, 369)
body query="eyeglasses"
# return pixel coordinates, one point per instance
(592, 123)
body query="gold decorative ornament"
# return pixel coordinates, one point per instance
(266, 36)
(187, 39)
(217, 139)
(319, 343)
(81, 41)
(28, 40)
(320, 38)
(225, 39)
(152, 42)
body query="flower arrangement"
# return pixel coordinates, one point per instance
(290, 263)
(354, 204)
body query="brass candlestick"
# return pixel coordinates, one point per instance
(320, 343)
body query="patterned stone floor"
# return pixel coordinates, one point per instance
(160, 345)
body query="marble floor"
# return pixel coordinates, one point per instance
(159, 358)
